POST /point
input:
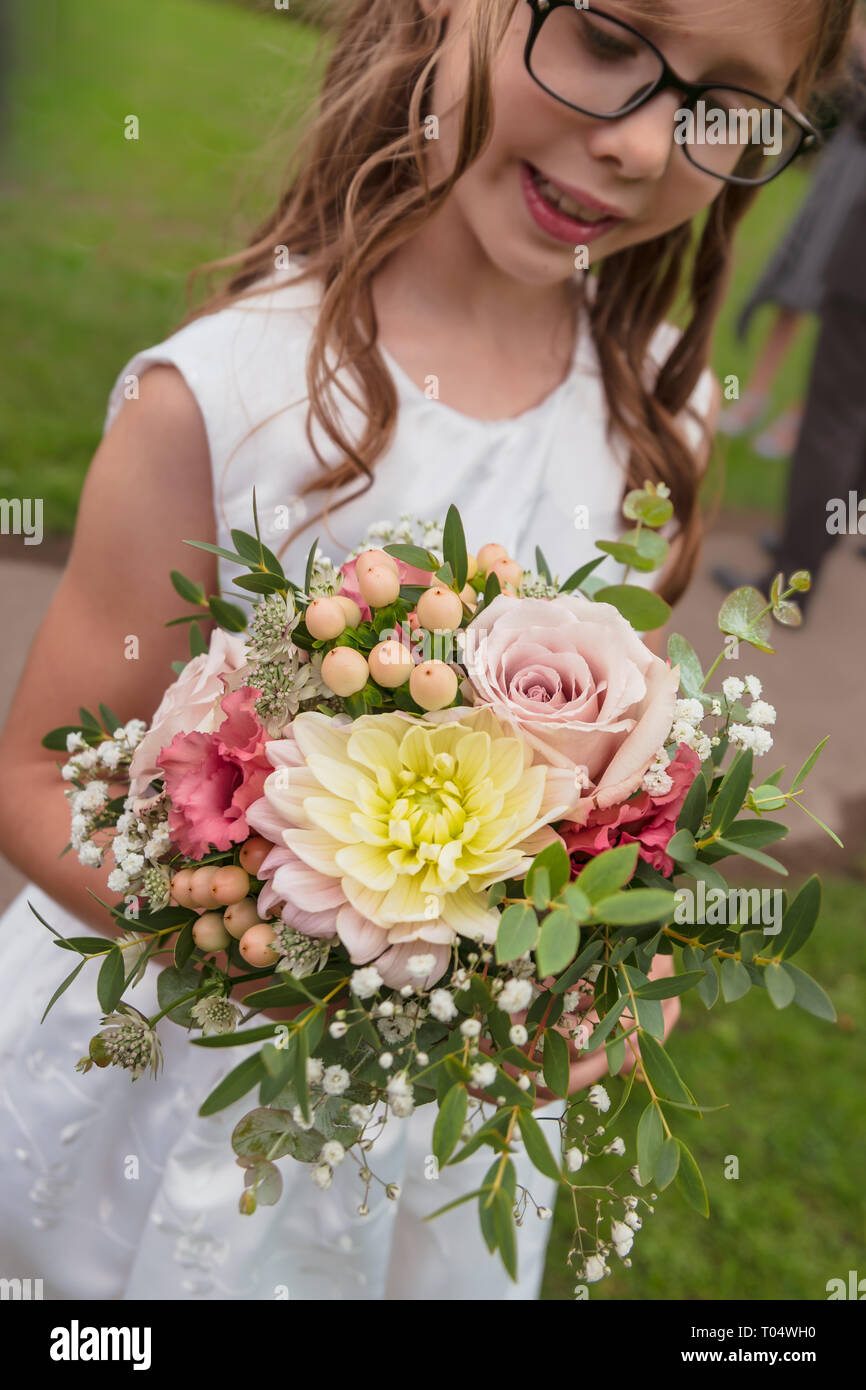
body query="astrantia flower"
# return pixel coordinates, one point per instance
(127, 1040)
(216, 1015)
(412, 820)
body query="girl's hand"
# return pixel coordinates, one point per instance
(586, 1071)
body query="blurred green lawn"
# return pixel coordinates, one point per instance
(97, 237)
(99, 232)
(794, 1087)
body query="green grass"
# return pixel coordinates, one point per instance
(99, 231)
(794, 1086)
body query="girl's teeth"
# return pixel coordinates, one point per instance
(568, 205)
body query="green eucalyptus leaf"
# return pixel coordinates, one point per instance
(650, 1138)
(517, 932)
(640, 607)
(557, 942)
(741, 616)
(691, 1183)
(607, 872)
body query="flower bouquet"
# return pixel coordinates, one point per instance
(418, 828)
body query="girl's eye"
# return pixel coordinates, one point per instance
(601, 43)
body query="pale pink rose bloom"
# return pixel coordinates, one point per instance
(574, 678)
(191, 704)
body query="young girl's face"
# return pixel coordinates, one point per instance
(629, 172)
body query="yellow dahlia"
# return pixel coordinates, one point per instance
(414, 817)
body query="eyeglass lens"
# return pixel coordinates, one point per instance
(600, 66)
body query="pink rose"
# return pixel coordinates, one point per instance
(649, 821)
(191, 702)
(213, 778)
(573, 677)
(349, 588)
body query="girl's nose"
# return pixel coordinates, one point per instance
(639, 145)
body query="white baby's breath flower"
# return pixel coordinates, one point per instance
(300, 1121)
(594, 1270)
(359, 1115)
(470, 1028)
(109, 754)
(516, 995)
(419, 966)
(573, 1160)
(398, 1085)
(322, 1175)
(365, 982)
(442, 1006)
(402, 1106)
(517, 1034)
(750, 737)
(632, 1219)
(90, 855)
(332, 1153)
(754, 687)
(117, 881)
(315, 1070)
(339, 1028)
(732, 688)
(484, 1074)
(75, 743)
(93, 797)
(761, 713)
(598, 1098)
(622, 1237)
(616, 1146)
(335, 1081)
(692, 711)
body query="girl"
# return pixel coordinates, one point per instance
(412, 326)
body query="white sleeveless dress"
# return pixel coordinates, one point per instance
(115, 1190)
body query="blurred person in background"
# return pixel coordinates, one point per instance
(794, 277)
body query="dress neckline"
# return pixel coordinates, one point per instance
(410, 389)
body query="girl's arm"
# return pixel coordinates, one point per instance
(103, 638)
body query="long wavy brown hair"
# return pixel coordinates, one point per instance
(358, 187)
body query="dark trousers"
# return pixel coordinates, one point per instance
(830, 458)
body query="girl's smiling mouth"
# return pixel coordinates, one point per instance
(565, 213)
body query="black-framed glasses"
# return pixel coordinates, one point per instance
(602, 67)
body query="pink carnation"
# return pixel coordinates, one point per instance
(212, 779)
(649, 821)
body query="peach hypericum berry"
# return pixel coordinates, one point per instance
(345, 670)
(255, 946)
(325, 618)
(433, 685)
(391, 663)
